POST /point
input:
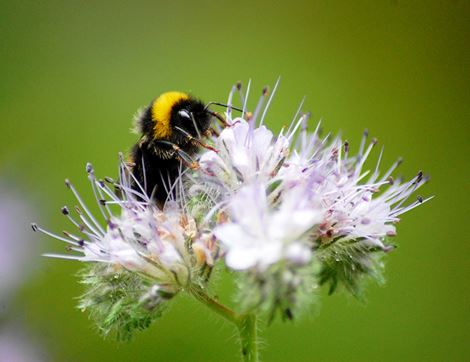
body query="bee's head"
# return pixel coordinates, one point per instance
(172, 112)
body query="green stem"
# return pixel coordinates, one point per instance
(248, 337)
(246, 323)
(217, 307)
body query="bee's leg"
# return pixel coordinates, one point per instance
(202, 144)
(196, 140)
(212, 132)
(181, 155)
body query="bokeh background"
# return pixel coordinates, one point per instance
(73, 74)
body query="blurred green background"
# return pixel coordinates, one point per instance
(73, 74)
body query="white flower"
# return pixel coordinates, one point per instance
(355, 208)
(259, 235)
(141, 238)
(244, 154)
(144, 240)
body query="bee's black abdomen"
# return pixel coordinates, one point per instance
(160, 174)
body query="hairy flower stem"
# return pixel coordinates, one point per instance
(248, 337)
(245, 323)
(225, 312)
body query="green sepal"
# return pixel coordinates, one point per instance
(120, 302)
(349, 263)
(282, 290)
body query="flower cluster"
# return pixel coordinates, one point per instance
(142, 258)
(286, 213)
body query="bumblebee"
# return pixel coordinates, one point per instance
(171, 131)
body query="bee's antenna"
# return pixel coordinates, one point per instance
(222, 105)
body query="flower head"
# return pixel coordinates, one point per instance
(285, 212)
(297, 198)
(141, 247)
(358, 204)
(141, 238)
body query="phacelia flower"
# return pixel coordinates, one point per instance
(355, 203)
(361, 207)
(141, 239)
(140, 245)
(244, 154)
(259, 235)
(286, 213)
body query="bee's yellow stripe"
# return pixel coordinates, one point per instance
(161, 113)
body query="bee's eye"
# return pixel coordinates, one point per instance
(184, 113)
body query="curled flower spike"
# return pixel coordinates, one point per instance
(141, 247)
(142, 238)
(355, 207)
